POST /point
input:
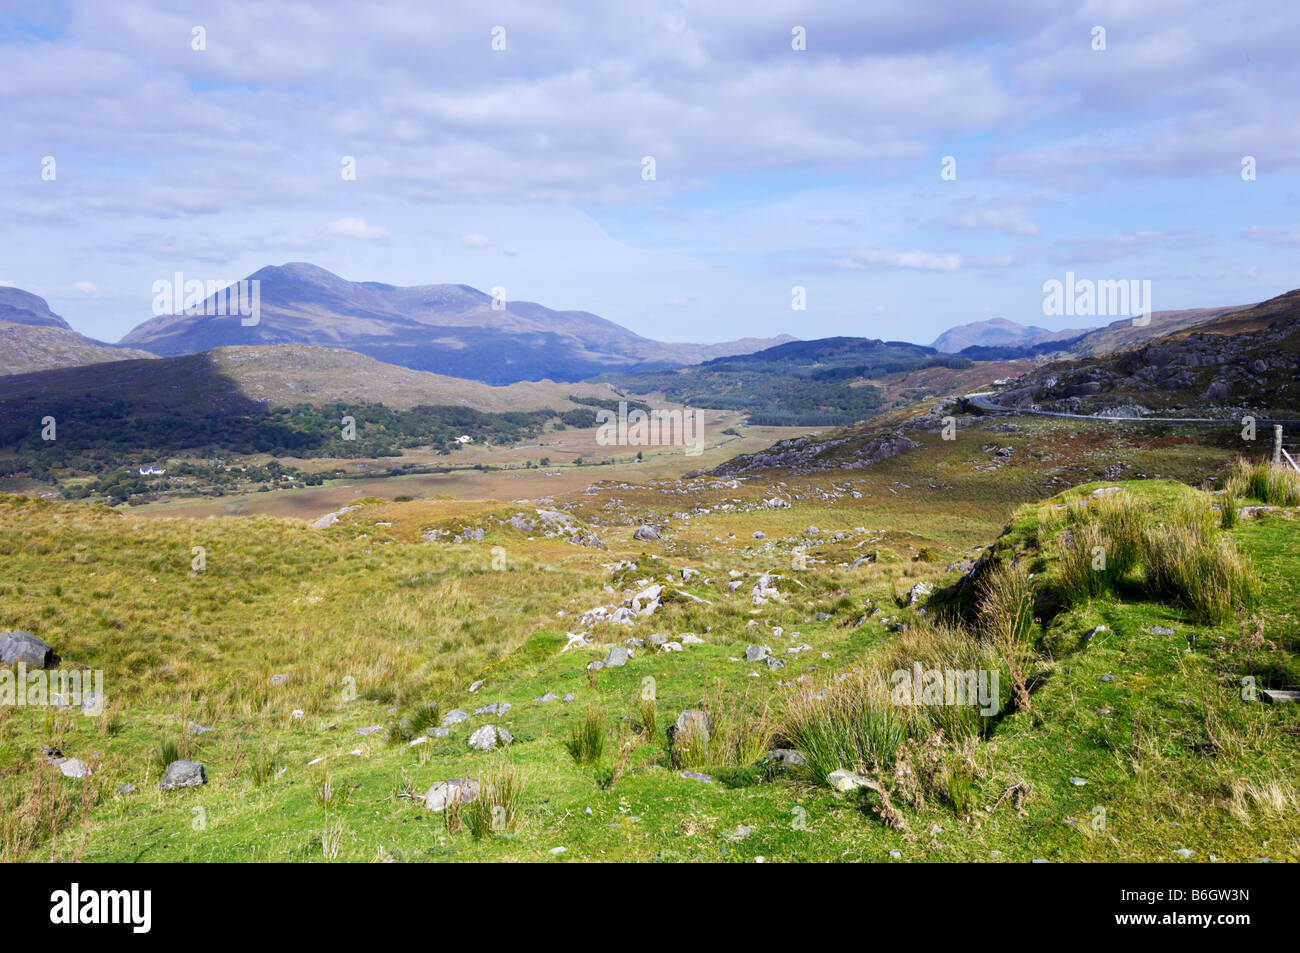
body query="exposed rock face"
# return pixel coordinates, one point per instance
(490, 737)
(18, 646)
(810, 455)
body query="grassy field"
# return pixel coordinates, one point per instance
(373, 624)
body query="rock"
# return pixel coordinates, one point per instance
(691, 638)
(896, 854)
(688, 573)
(489, 738)
(557, 851)
(476, 686)
(693, 726)
(548, 697)
(451, 791)
(786, 756)
(297, 713)
(93, 704)
(595, 666)
(1160, 630)
(125, 788)
(919, 592)
(74, 768)
(567, 698)
(1096, 630)
(281, 679)
(1078, 782)
(697, 776)
(774, 663)
(734, 585)
(657, 640)
(454, 717)
(370, 730)
(759, 534)
(845, 781)
(645, 533)
(496, 708)
(195, 728)
(19, 646)
(1185, 853)
(182, 774)
(671, 647)
(754, 653)
(617, 657)
(439, 732)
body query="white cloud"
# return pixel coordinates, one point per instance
(88, 288)
(918, 259)
(358, 229)
(475, 240)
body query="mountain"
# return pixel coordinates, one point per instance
(34, 338)
(23, 307)
(1241, 361)
(1113, 337)
(806, 383)
(999, 332)
(245, 379)
(449, 329)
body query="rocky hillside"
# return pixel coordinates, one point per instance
(1242, 362)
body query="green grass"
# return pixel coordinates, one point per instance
(1179, 760)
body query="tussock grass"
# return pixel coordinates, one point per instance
(587, 737)
(851, 724)
(496, 810)
(1270, 485)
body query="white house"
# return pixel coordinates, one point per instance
(464, 438)
(152, 471)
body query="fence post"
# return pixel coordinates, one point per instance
(1277, 445)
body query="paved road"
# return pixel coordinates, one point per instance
(981, 401)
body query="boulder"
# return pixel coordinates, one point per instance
(74, 768)
(845, 781)
(489, 738)
(24, 647)
(454, 717)
(618, 657)
(645, 533)
(754, 653)
(182, 774)
(451, 791)
(693, 726)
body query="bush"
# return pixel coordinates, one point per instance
(496, 809)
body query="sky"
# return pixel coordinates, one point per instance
(143, 138)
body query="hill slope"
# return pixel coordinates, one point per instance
(23, 307)
(25, 348)
(1240, 361)
(448, 329)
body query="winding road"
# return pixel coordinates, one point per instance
(980, 400)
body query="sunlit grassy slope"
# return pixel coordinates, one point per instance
(373, 623)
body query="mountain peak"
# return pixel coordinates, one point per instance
(23, 307)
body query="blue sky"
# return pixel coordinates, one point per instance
(774, 167)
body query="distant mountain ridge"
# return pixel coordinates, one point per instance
(454, 330)
(23, 307)
(999, 332)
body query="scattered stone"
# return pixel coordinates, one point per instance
(548, 697)
(74, 768)
(845, 781)
(280, 679)
(19, 646)
(1097, 630)
(691, 639)
(1160, 630)
(195, 728)
(786, 756)
(489, 738)
(1185, 853)
(1279, 696)
(617, 657)
(697, 776)
(475, 687)
(439, 732)
(645, 533)
(693, 725)
(919, 592)
(557, 851)
(1078, 782)
(567, 698)
(755, 653)
(370, 730)
(125, 788)
(454, 717)
(451, 791)
(182, 774)
(297, 713)
(496, 708)
(896, 854)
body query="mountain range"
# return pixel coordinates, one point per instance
(999, 332)
(454, 330)
(34, 338)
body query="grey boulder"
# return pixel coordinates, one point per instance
(489, 738)
(24, 647)
(182, 774)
